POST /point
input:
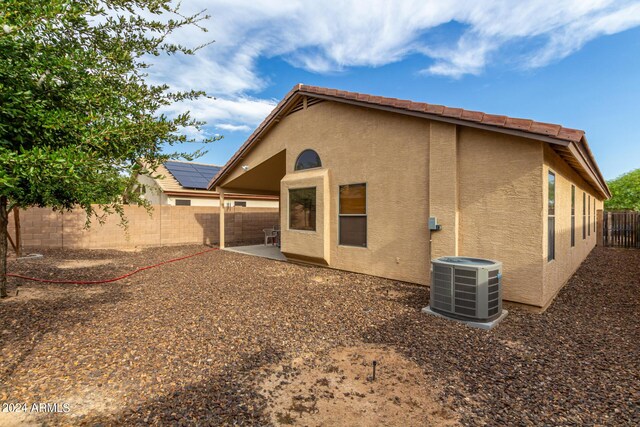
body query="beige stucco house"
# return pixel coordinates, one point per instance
(359, 177)
(165, 188)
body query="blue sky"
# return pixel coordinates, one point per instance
(576, 63)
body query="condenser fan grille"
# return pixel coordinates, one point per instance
(494, 292)
(465, 292)
(442, 287)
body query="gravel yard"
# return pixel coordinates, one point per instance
(225, 338)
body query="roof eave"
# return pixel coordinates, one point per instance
(585, 152)
(578, 140)
(214, 195)
(255, 136)
(437, 117)
(297, 91)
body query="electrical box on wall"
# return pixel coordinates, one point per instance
(433, 224)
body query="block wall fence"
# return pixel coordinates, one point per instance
(165, 226)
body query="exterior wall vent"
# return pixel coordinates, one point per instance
(466, 288)
(300, 105)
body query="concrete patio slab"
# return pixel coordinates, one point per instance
(270, 251)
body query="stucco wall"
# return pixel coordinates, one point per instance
(443, 189)
(500, 207)
(313, 245)
(389, 152)
(567, 258)
(487, 189)
(153, 192)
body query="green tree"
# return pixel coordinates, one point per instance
(625, 192)
(76, 113)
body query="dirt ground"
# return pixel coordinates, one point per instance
(225, 338)
(339, 388)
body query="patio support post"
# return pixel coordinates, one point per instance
(221, 193)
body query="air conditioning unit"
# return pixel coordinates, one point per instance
(466, 288)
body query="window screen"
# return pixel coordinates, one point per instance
(551, 218)
(241, 204)
(573, 215)
(183, 202)
(589, 216)
(302, 209)
(353, 215)
(584, 215)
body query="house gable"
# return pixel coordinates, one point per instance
(570, 143)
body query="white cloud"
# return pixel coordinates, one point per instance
(233, 128)
(325, 37)
(563, 28)
(233, 111)
(193, 133)
(572, 37)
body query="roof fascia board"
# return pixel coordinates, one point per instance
(583, 147)
(584, 162)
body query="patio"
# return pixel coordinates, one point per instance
(263, 251)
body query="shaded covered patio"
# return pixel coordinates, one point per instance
(261, 177)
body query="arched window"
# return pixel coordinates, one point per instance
(308, 159)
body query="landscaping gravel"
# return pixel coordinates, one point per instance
(190, 342)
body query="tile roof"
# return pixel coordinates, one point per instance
(523, 125)
(562, 135)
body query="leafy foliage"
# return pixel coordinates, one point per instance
(626, 192)
(76, 114)
(77, 117)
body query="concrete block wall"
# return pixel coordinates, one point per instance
(165, 226)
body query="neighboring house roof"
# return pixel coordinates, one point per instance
(570, 144)
(170, 184)
(192, 175)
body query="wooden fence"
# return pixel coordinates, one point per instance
(621, 229)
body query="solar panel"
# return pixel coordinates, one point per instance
(181, 168)
(207, 169)
(191, 175)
